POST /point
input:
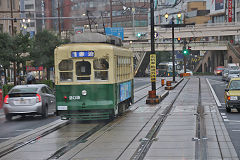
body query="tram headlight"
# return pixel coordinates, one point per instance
(84, 92)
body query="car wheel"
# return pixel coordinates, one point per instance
(8, 117)
(238, 109)
(228, 109)
(45, 111)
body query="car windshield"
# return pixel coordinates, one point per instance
(23, 90)
(234, 85)
(234, 72)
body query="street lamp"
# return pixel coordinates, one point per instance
(173, 56)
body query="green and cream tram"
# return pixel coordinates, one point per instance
(93, 80)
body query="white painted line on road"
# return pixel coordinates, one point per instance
(214, 94)
(224, 117)
(223, 114)
(226, 120)
(24, 130)
(222, 103)
(234, 121)
(236, 130)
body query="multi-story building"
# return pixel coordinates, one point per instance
(28, 15)
(5, 15)
(217, 11)
(96, 13)
(197, 13)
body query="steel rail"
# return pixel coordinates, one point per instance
(72, 144)
(147, 141)
(22, 144)
(201, 140)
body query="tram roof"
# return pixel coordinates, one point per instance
(96, 38)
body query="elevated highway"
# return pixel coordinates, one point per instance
(200, 45)
(198, 30)
(218, 36)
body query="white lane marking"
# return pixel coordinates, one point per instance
(224, 117)
(223, 114)
(222, 103)
(214, 94)
(236, 130)
(234, 121)
(24, 130)
(226, 120)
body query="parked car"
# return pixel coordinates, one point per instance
(29, 99)
(232, 95)
(225, 74)
(218, 70)
(232, 74)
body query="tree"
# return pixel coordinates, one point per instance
(6, 52)
(42, 52)
(21, 45)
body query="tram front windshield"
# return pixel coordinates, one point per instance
(83, 70)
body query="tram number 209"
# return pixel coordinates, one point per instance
(74, 97)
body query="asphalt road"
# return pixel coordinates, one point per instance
(20, 125)
(231, 120)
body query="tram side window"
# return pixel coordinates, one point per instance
(101, 67)
(65, 69)
(83, 70)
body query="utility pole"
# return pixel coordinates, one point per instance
(59, 22)
(110, 13)
(173, 56)
(152, 97)
(14, 63)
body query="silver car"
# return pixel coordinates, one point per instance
(29, 99)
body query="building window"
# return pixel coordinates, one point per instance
(13, 4)
(29, 6)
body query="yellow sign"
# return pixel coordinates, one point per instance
(153, 67)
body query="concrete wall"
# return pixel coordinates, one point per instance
(196, 6)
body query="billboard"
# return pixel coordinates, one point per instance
(115, 31)
(219, 4)
(229, 10)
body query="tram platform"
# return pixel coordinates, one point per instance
(176, 128)
(177, 137)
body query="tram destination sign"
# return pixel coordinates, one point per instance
(82, 54)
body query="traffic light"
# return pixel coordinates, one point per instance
(179, 39)
(139, 35)
(185, 52)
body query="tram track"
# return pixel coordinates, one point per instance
(143, 148)
(71, 144)
(201, 136)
